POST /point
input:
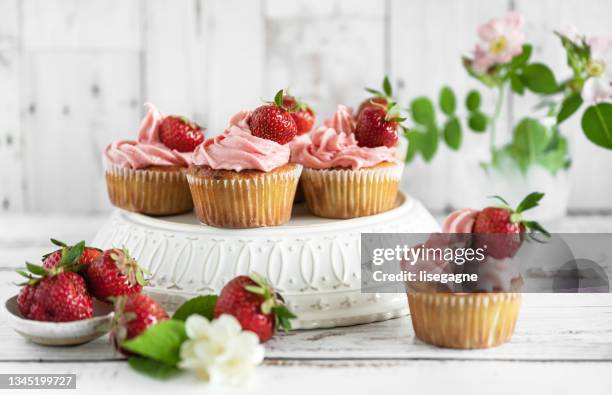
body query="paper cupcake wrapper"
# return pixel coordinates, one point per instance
(149, 192)
(345, 193)
(249, 202)
(478, 320)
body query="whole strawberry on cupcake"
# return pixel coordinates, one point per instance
(147, 175)
(243, 178)
(350, 169)
(485, 317)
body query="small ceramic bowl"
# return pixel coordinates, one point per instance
(60, 333)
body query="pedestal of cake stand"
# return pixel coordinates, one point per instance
(314, 262)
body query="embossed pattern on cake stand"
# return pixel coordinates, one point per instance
(314, 262)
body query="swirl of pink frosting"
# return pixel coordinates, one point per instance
(460, 221)
(148, 150)
(237, 149)
(497, 274)
(298, 143)
(334, 145)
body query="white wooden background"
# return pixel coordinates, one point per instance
(74, 75)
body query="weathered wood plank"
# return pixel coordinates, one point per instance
(325, 52)
(9, 24)
(588, 161)
(175, 57)
(78, 24)
(363, 377)
(75, 103)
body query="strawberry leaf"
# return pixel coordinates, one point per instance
(501, 199)
(58, 243)
(255, 289)
(36, 269)
(534, 226)
(375, 92)
(153, 368)
(160, 342)
(283, 316)
(202, 305)
(72, 254)
(387, 88)
(278, 98)
(24, 274)
(530, 201)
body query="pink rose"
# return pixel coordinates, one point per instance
(501, 39)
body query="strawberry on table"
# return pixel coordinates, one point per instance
(114, 273)
(57, 294)
(377, 126)
(273, 122)
(51, 260)
(255, 305)
(380, 97)
(501, 229)
(133, 315)
(180, 134)
(302, 114)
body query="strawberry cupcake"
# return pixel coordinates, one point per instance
(148, 175)
(485, 316)
(243, 178)
(346, 174)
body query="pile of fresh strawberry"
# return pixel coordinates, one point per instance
(378, 119)
(63, 287)
(501, 230)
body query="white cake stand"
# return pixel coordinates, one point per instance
(314, 262)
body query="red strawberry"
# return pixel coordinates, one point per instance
(377, 126)
(499, 230)
(114, 273)
(133, 315)
(383, 97)
(255, 305)
(51, 260)
(302, 114)
(180, 134)
(273, 122)
(58, 294)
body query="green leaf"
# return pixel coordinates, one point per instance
(530, 201)
(72, 254)
(532, 225)
(36, 269)
(387, 89)
(153, 368)
(501, 199)
(538, 78)
(414, 139)
(24, 274)
(422, 111)
(530, 137)
(477, 121)
(58, 243)
(516, 84)
(374, 92)
(429, 142)
(597, 124)
(278, 98)
(202, 305)
(522, 58)
(452, 133)
(160, 342)
(569, 106)
(447, 101)
(472, 100)
(556, 156)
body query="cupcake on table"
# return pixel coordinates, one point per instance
(243, 177)
(350, 166)
(147, 175)
(486, 315)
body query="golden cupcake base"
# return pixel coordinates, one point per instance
(153, 191)
(346, 193)
(246, 199)
(465, 321)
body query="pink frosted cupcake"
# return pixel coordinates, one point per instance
(342, 179)
(147, 175)
(239, 180)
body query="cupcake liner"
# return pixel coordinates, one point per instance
(146, 191)
(477, 320)
(346, 193)
(265, 199)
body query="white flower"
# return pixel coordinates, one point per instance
(219, 351)
(599, 86)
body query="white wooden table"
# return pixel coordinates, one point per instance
(562, 343)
